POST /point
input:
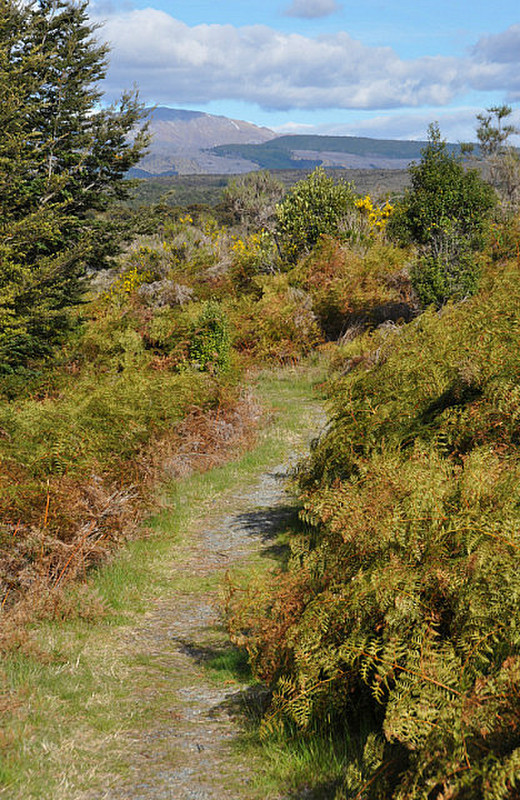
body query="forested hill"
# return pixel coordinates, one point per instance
(310, 151)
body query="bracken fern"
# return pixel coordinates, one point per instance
(405, 582)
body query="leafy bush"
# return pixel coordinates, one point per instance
(210, 340)
(253, 255)
(313, 208)
(444, 214)
(437, 278)
(376, 215)
(280, 325)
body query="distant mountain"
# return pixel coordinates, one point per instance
(182, 142)
(195, 143)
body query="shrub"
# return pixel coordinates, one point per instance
(437, 278)
(348, 287)
(280, 325)
(210, 340)
(444, 215)
(254, 255)
(251, 200)
(315, 207)
(376, 215)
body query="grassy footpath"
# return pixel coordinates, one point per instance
(65, 705)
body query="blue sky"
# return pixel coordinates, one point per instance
(369, 67)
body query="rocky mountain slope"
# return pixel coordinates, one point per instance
(181, 139)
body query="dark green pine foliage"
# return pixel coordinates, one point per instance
(62, 161)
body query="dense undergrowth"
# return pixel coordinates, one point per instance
(148, 384)
(400, 601)
(394, 627)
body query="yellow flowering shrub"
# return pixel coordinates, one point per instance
(252, 255)
(377, 216)
(127, 283)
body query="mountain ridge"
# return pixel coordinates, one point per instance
(188, 142)
(182, 142)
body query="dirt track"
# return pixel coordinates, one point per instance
(189, 752)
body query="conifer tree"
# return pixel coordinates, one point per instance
(502, 159)
(62, 160)
(492, 132)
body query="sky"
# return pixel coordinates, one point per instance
(376, 68)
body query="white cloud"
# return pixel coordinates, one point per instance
(501, 48)
(496, 63)
(311, 9)
(455, 125)
(173, 63)
(289, 128)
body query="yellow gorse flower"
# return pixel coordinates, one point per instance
(126, 283)
(377, 215)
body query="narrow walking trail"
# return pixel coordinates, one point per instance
(188, 750)
(187, 754)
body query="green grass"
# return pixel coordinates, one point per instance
(68, 705)
(229, 665)
(301, 762)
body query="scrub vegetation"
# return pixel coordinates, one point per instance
(388, 638)
(393, 626)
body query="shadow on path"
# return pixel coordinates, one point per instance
(267, 523)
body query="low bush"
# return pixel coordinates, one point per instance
(315, 207)
(351, 286)
(280, 326)
(210, 339)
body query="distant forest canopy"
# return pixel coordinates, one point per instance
(278, 153)
(187, 190)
